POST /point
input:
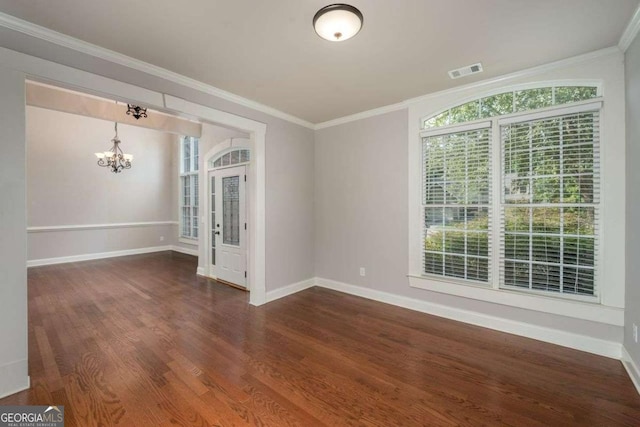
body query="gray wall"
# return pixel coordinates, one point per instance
(13, 240)
(77, 192)
(290, 200)
(289, 159)
(361, 207)
(361, 202)
(632, 294)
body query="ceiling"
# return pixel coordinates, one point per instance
(267, 51)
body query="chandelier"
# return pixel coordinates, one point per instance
(115, 158)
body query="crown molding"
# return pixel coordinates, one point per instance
(63, 40)
(504, 78)
(48, 35)
(630, 32)
(586, 57)
(362, 115)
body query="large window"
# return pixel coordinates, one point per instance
(545, 217)
(189, 188)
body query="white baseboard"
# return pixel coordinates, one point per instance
(200, 271)
(14, 377)
(183, 250)
(567, 339)
(632, 368)
(112, 254)
(87, 257)
(290, 289)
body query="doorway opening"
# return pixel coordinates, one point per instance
(239, 131)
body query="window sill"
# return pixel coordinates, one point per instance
(546, 304)
(186, 241)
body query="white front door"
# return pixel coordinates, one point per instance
(228, 218)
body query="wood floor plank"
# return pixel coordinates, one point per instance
(144, 341)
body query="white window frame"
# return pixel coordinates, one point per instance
(594, 104)
(496, 202)
(592, 309)
(458, 128)
(191, 174)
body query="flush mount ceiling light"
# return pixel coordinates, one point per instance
(337, 22)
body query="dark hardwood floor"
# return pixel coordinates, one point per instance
(142, 341)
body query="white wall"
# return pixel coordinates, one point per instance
(76, 192)
(362, 206)
(13, 239)
(632, 312)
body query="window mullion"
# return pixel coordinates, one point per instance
(466, 210)
(496, 214)
(561, 171)
(531, 200)
(192, 199)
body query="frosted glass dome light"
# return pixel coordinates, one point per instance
(337, 22)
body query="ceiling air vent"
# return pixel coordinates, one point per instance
(465, 71)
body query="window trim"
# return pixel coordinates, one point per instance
(530, 301)
(514, 88)
(494, 124)
(577, 306)
(193, 171)
(210, 164)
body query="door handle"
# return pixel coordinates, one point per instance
(217, 232)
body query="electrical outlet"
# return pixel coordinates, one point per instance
(162, 238)
(635, 332)
(362, 272)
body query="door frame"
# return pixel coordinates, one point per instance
(44, 71)
(220, 149)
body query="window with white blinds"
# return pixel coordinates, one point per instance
(550, 202)
(456, 203)
(189, 187)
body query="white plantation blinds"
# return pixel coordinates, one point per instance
(456, 202)
(550, 202)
